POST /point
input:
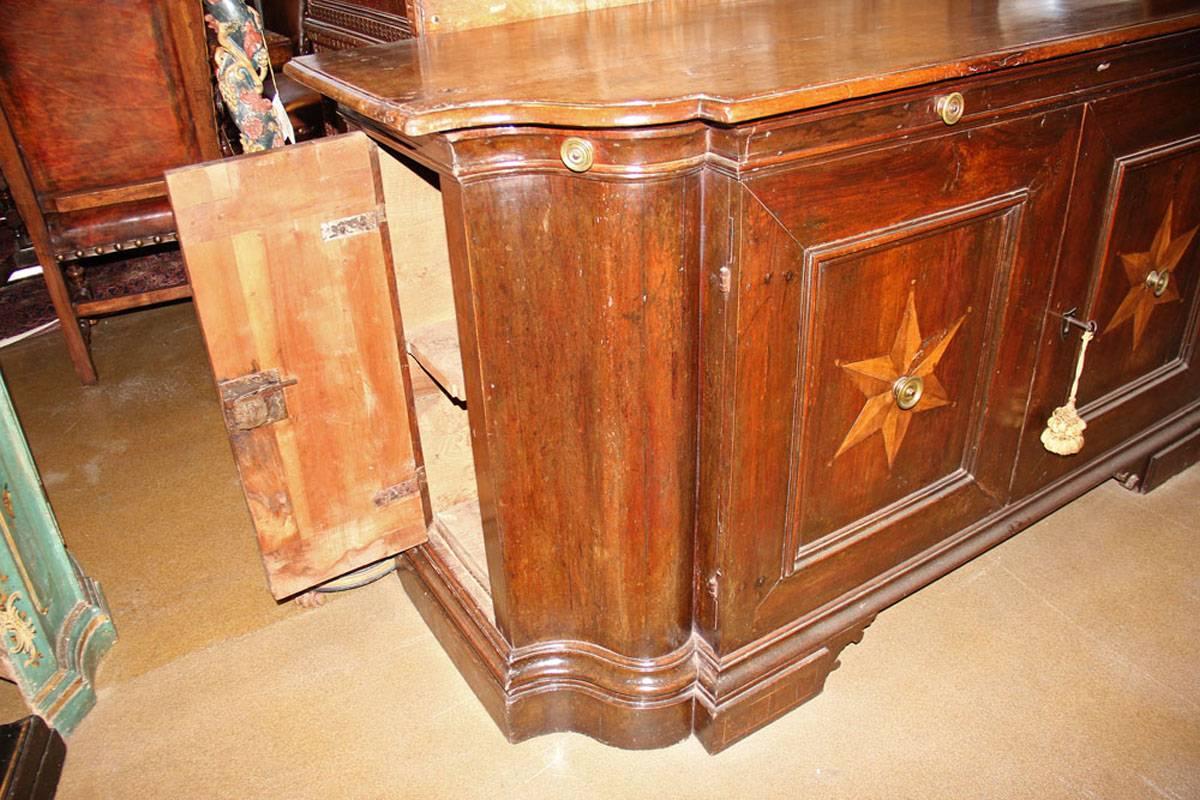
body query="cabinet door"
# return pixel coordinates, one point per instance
(290, 266)
(884, 304)
(1131, 262)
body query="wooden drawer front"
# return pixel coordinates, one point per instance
(1136, 211)
(923, 260)
(912, 112)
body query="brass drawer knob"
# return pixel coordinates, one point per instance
(908, 390)
(1157, 281)
(577, 154)
(950, 107)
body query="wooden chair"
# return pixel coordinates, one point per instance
(314, 25)
(97, 99)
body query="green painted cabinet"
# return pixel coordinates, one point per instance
(53, 618)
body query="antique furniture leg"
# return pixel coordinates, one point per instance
(31, 758)
(27, 206)
(74, 272)
(54, 621)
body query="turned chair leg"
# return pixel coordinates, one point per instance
(21, 188)
(72, 326)
(74, 272)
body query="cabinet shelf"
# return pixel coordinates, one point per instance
(435, 347)
(459, 532)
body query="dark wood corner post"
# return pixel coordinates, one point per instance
(586, 452)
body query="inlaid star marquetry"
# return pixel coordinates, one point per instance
(1163, 256)
(875, 377)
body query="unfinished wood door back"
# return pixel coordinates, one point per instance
(290, 265)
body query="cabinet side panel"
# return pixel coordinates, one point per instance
(586, 321)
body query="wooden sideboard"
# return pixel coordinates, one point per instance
(729, 324)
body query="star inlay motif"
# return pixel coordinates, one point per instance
(1163, 256)
(910, 356)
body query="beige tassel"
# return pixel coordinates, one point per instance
(1064, 430)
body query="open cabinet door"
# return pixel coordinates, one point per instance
(290, 266)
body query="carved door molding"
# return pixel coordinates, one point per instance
(1131, 262)
(54, 622)
(884, 304)
(925, 252)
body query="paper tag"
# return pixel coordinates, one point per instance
(281, 116)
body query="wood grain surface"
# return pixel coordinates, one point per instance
(694, 485)
(333, 486)
(674, 60)
(444, 16)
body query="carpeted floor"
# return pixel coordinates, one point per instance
(1063, 664)
(25, 304)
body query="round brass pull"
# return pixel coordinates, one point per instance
(577, 154)
(908, 390)
(950, 107)
(1157, 281)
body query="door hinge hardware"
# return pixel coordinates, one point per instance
(398, 491)
(714, 583)
(350, 226)
(724, 280)
(254, 400)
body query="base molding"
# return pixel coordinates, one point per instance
(85, 636)
(32, 754)
(554, 686)
(762, 691)
(646, 703)
(1162, 465)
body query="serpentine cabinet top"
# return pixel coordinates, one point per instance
(720, 60)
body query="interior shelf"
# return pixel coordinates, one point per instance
(459, 530)
(425, 292)
(435, 347)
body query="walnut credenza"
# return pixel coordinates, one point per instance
(727, 325)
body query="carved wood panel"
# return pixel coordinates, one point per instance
(899, 339)
(1131, 263)
(853, 276)
(1146, 288)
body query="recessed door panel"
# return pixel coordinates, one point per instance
(901, 329)
(1131, 263)
(882, 312)
(1145, 295)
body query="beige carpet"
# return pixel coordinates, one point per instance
(1063, 664)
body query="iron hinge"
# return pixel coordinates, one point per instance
(724, 280)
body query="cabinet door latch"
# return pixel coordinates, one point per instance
(254, 400)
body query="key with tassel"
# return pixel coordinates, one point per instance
(1063, 434)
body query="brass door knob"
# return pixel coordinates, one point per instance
(577, 154)
(908, 390)
(1157, 281)
(950, 107)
